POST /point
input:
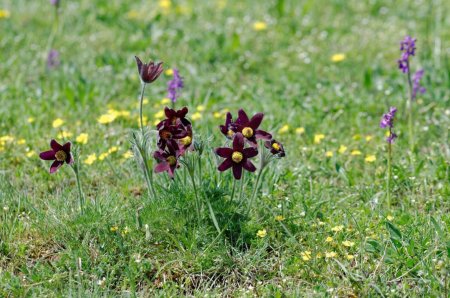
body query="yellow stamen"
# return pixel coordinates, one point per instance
(230, 133)
(60, 155)
(237, 157)
(276, 146)
(247, 132)
(186, 141)
(171, 160)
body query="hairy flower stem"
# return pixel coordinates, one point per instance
(389, 173)
(250, 202)
(234, 188)
(410, 112)
(81, 198)
(141, 103)
(242, 186)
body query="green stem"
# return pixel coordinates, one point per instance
(148, 176)
(234, 188)
(242, 186)
(250, 202)
(80, 191)
(141, 103)
(410, 112)
(197, 201)
(388, 182)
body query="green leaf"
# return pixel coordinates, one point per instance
(393, 231)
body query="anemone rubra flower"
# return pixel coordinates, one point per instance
(168, 158)
(171, 132)
(148, 72)
(58, 153)
(275, 147)
(249, 127)
(174, 117)
(237, 157)
(229, 128)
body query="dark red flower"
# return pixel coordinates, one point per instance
(174, 117)
(276, 148)
(148, 72)
(59, 154)
(249, 127)
(237, 157)
(229, 128)
(186, 142)
(171, 132)
(168, 159)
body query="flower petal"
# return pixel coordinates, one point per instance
(161, 167)
(249, 166)
(225, 165)
(238, 142)
(66, 148)
(250, 152)
(263, 135)
(55, 145)
(69, 159)
(237, 171)
(242, 117)
(224, 152)
(55, 166)
(47, 155)
(256, 120)
(139, 64)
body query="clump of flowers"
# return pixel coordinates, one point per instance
(174, 86)
(387, 121)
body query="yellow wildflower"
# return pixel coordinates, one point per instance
(338, 57)
(356, 137)
(169, 72)
(114, 228)
(196, 116)
(4, 14)
(106, 118)
(113, 149)
(82, 138)
(348, 243)
(300, 130)
(159, 115)
(200, 108)
(165, 100)
(259, 26)
(64, 134)
(306, 255)
(262, 233)
(318, 255)
(330, 254)
(350, 257)
(329, 239)
(57, 122)
(318, 138)
(283, 129)
(390, 217)
(356, 152)
(90, 159)
(337, 228)
(144, 102)
(329, 154)
(370, 158)
(165, 4)
(127, 154)
(279, 218)
(368, 138)
(30, 153)
(217, 115)
(6, 139)
(342, 149)
(30, 120)
(125, 231)
(103, 156)
(21, 141)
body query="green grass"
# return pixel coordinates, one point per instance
(49, 249)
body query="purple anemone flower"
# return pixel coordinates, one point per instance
(408, 48)
(148, 72)
(174, 117)
(168, 159)
(229, 128)
(387, 121)
(249, 127)
(53, 59)
(174, 85)
(275, 147)
(171, 132)
(237, 157)
(416, 83)
(58, 153)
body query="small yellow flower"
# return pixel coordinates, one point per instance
(356, 137)
(330, 255)
(318, 255)
(321, 223)
(165, 100)
(283, 129)
(370, 158)
(338, 57)
(82, 138)
(262, 233)
(329, 239)
(21, 141)
(279, 218)
(200, 108)
(64, 134)
(114, 228)
(337, 228)
(329, 154)
(165, 4)
(318, 138)
(387, 133)
(390, 217)
(103, 156)
(350, 257)
(30, 153)
(113, 149)
(300, 130)
(144, 102)
(57, 122)
(123, 113)
(6, 139)
(90, 159)
(342, 149)
(30, 120)
(127, 154)
(106, 118)
(159, 115)
(306, 255)
(217, 115)
(259, 26)
(169, 72)
(368, 138)
(144, 120)
(348, 243)
(355, 152)
(125, 231)
(4, 14)
(196, 116)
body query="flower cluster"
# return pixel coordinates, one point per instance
(408, 48)
(174, 85)
(387, 121)
(174, 139)
(245, 130)
(416, 84)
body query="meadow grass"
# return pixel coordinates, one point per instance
(329, 231)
